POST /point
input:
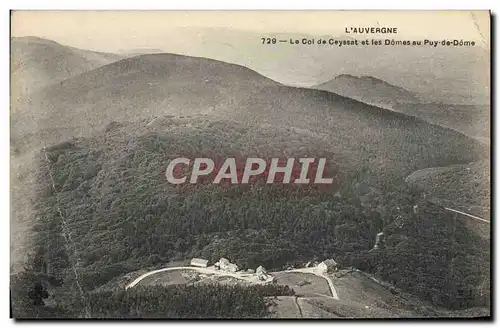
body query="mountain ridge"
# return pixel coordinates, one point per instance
(369, 89)
(37, 62)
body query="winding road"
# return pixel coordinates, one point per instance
(240, 276)
(467, 214)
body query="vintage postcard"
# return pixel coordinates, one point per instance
(250, 164)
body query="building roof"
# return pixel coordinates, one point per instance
(197, 260)
(330, 262)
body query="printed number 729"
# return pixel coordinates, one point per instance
(268, 40)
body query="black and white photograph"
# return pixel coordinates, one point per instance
(250, 164)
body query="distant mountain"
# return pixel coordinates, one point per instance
(38, 62)
(368, 89)
(471, 120)
(155, 85)
(442, 74)
(139, 87)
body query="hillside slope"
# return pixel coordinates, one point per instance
(35, 63)
(472, 120)
(123, 215)
(361, 296)
(464, 187)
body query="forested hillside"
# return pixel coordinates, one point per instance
(158, 302)
(119, 214)
(464, 187)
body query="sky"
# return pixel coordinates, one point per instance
(114, 30)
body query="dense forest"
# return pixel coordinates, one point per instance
(150, 302)
(112, 212)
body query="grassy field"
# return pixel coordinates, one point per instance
(304, 284)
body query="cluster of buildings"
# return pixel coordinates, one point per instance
(225, 265)
(327, 266)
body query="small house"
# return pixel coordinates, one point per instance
(262, 273)
(225, 265)
(231, 267)
(328, 266)
(261, 269)
(199, 263)
(223, 261)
